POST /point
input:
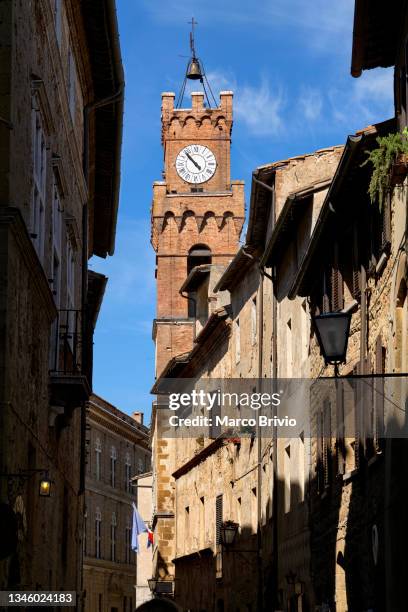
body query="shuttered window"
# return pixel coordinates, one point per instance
(356, 290)
(218, 519)
(336, 281)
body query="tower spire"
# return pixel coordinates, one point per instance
(195, 72)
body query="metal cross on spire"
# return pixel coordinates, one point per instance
(195, 72)
(193, 22)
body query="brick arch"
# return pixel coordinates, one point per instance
(187, 214)
(175, 125)
(169, 216)
(208, 215)
(186, 120)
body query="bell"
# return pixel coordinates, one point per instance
(194, 70)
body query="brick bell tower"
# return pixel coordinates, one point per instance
(197, 217)
(197, 212)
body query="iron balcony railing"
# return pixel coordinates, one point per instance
(66, 343)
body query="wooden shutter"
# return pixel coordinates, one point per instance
(336, 282)
(356, 289)
(385, 237)
(326, 290)
(218, 519)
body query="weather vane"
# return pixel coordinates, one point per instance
(195, 72)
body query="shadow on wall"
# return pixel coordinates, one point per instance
(157, 605)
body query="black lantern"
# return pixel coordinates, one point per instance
(152, 582)
(332, 331)
(229, 530)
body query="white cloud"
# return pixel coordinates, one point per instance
(368, 99)
(260, 108)
(310, 103)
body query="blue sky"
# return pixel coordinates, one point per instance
(288, 62)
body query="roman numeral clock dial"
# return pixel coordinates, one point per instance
(196, 164)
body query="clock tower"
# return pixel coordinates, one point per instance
(196, 218)
(197, 212)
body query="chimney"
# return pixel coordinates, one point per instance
(138, 417)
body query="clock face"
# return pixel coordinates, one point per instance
(196, 164)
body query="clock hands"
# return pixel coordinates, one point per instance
(193, 161)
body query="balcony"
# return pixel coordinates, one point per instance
(69, 383)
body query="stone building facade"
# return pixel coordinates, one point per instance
(59, 187)
(117, 450)
(193, 223)
(246, 480)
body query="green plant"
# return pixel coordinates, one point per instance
(383, 158)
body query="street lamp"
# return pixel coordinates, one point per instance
(228, 533)
(152, 582)
(332, 331)
(45, 487)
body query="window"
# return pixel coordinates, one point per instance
(70, 276)
(98, 453)
(254, 509)
(113, 458)
(39, 183)
(218, 518)
(324, 446)
(237, 342)
(140, 465)
(72, 75)
(253, 320)
(128, 475)
(128, 542)
(56, 244)
(85, 533)
(198, 255)
(98, 521)
(301, 463)
(187, 528)
(289, 352)
(58, 19)
(202, 522)
(286, 475)
(113, 537)
(218, 523)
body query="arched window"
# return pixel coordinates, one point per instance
(198, 255)
(113, 458)
(128, 468)
(98, 454)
